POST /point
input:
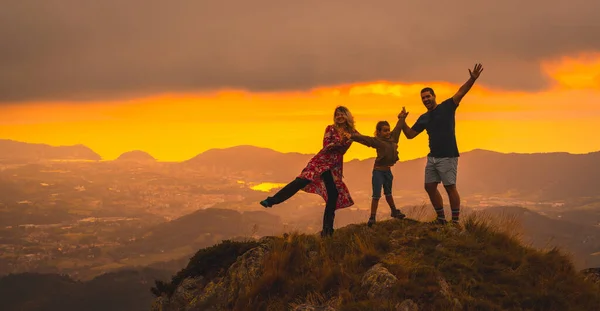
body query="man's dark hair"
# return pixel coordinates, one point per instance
(428, 89)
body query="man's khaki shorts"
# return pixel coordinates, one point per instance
(441, 170)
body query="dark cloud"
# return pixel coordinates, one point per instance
(78, 49)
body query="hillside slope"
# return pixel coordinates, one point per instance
(397, 265)
(124, 290)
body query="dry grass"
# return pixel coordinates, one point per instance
(423, 212)
(505, 222)
(483, 264)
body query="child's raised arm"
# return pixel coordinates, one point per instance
(399, 125)
(398, 129)
(365, 140)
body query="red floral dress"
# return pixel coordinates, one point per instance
(329, 158)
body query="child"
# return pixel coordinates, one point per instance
(386, 143)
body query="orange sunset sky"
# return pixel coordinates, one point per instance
(215, 78)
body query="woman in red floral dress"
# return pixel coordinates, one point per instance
(323, 173)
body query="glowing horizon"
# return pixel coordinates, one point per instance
(177, 127)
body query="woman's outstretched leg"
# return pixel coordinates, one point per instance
(332, 196)
(286, 192)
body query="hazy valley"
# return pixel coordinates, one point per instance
(68, 212)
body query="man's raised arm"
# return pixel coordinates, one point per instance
(408, 132)
(464, 89)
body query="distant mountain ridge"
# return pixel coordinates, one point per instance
(15, 150)
(136, 155)
(548, 176)
(254, 160)
(551, 176)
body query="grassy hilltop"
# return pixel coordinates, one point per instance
(396, 265)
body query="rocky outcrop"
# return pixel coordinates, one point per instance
(309, 307)
(407, 305)
(185, 293)
(350, 271)
(379, 282)
(445, 290)
(220, 293)
(592, 274)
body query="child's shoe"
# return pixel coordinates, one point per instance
(396, 213)
(371, 221)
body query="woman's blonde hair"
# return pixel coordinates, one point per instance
(349, 118)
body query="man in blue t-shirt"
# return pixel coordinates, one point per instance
(442, 160)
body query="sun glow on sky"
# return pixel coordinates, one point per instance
(176, 127)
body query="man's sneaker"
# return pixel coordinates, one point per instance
(371, 221)
(439, 221)
(265, 203)
(397, 214)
